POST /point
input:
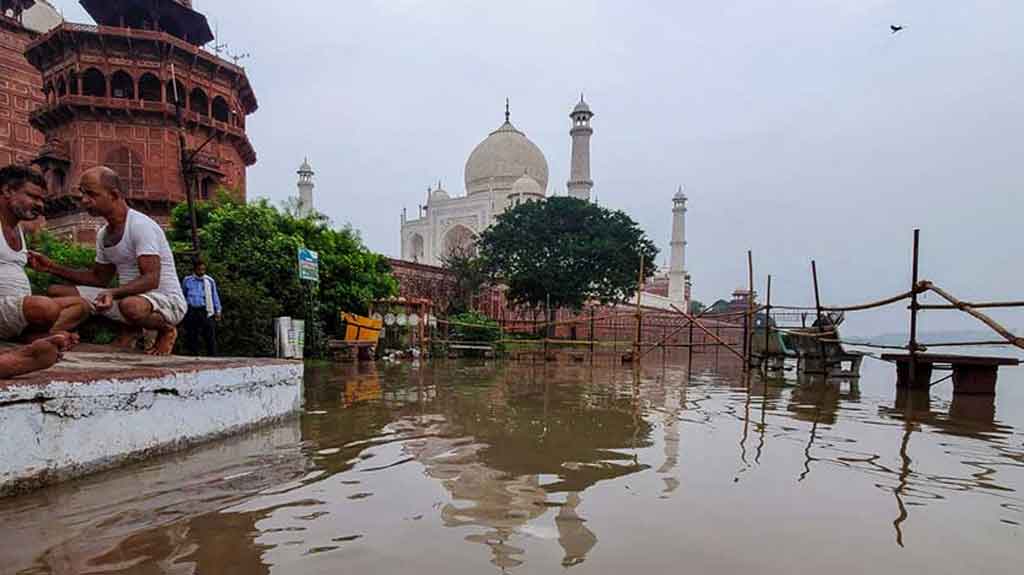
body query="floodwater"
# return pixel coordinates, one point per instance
(480, 467)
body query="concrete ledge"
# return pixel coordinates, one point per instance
(99, 410)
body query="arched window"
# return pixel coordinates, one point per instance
(176, 86)
(57, 182)
(207, 188)
(94, 83)
(416, 248)
(62, 88)
(122, 85)
(460, 240)
(149, 88)
(128, 166)
(221, 110)
(199, 103)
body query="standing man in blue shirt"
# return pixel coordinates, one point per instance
(203, 310)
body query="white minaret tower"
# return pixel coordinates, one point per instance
(677, 259)
(305, 207)
(579, 183)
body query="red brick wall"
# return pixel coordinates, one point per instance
(21, 91)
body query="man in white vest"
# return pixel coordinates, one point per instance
(22, 315)
(132, 247)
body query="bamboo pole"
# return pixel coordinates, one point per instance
(817, 307)
(975, 305)
(912, 345)
(749, 318)
(639, 313)
(767, 322)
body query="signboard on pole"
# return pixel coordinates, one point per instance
(309, 265)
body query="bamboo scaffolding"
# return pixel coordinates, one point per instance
(708, 332)
(964, 307)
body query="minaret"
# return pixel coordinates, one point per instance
(677, 259)
(305, 207)
(579, 183)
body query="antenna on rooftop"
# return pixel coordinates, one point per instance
(239, 56)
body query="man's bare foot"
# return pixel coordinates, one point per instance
(67, 338)
(38, 355)
(164, 343)
(128, 339)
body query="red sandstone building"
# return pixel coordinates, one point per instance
(106, 93)
(21, 86)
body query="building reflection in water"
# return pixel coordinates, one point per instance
(509, 452)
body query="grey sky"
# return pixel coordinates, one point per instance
(800, 129)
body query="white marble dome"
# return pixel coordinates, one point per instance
(502, 158)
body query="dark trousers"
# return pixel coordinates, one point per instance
(197, 324)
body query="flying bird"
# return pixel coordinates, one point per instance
(895, 29)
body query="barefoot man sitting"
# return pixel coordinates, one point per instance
(24, 316)
(134, 247)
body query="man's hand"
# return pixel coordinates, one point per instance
(39, 262)
(103, 301)
(217, 316)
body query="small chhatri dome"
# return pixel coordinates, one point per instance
(582, 107)
(438, 193)
(502, 158)
(305, 168)
(679, 195)
(526, 185)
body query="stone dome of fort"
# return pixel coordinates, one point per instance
(502, 158)
(41, 17)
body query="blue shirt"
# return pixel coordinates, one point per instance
(195, 292)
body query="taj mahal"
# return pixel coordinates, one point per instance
(506, 169)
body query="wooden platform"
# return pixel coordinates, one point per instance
(971, 373)
(342, 350)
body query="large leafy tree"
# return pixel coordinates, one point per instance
(251, 251)
(565, 252)
(467, 271)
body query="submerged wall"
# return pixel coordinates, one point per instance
(99, 411)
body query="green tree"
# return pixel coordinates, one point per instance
(565, 252)
(251, 250)
(61, 252)
(696, 307)
(468, 271)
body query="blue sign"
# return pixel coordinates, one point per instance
(309, 265)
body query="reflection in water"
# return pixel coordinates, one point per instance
(515, 464)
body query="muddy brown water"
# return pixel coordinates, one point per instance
(478, 467)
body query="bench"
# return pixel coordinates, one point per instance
(971, 373)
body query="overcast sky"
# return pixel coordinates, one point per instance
(800, 129)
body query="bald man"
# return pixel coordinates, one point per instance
(134, 248)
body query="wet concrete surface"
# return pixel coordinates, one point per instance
(478, 467)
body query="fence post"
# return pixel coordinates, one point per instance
(767, 323)
(639, 314)
(747, 319)
(913, 311)
(817, 309)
